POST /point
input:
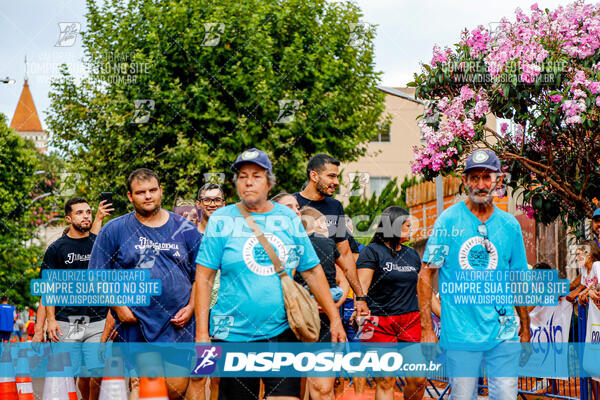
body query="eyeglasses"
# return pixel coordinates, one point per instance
(482, 229)
(206, 201)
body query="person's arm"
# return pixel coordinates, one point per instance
(365, 276)
(523, 314)
(107, 332)
(575, 283)
(54, 331)
(342, 282)
(518, 261)
(317, 283)
(436, 306)
(104, 210)
(40, 320)
(109, 326)
(346, 262)
(185, 314)
(424, 293)
(583, 296)
(205, 278)
(574, 293)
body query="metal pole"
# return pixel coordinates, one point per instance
(439, 194)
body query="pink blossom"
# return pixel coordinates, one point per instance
(443, 104)
(578, 94)
(466, 93)
(598, 101)
(529, 211)
(478, 41)
(481, 108)
(503, 127)
(593, 86)
(440, 56)
(556, 98)
(530, 71)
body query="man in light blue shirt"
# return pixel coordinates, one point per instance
(476, 235)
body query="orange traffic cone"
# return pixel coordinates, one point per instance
(8, 385)
(55, 386)
(153, 389)
(113, 382)
(24, 384)
(71, 389)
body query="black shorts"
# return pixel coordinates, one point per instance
(248, 388)
(5, 336)
(325, 333)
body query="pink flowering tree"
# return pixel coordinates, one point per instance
(540, 73)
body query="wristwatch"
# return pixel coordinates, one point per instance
(361, 298)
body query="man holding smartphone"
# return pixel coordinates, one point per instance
(76, 324)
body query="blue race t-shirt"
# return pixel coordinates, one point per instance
(456, 243)
(250, 304)
(168, 252)
(7, 317)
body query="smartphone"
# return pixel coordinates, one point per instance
(106, 196)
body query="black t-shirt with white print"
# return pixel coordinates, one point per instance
(393, 289)
(327, 252)
(333, 211)
(69, 253)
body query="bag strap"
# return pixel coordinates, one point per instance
(262, 240)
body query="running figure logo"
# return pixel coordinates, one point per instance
(207, 359)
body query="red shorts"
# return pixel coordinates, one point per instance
(392, 328)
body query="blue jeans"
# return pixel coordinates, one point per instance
(500, 361)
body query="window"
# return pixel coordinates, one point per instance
(378, 183)
(383, 134)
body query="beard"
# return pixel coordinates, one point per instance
(80, 228)
(146, 213)
(322, 189)
(473, 193)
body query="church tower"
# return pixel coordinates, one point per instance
(26, 121)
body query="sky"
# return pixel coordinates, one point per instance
(406, 34)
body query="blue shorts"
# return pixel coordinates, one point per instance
(133, 334)
(348, 309)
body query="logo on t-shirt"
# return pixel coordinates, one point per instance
(473, 254)
(257, 259)
(390, 266)
(72, 257)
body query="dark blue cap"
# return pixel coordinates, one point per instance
(483, 158)
(596, 213)
(254, 156)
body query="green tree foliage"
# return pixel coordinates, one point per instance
(217, 72)
(365, 211)
(18, 257)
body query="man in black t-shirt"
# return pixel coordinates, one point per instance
(76, 324)
(323, 172)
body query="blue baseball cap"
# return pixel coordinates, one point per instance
(483, 158)
(596, 213)
(254, 156)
